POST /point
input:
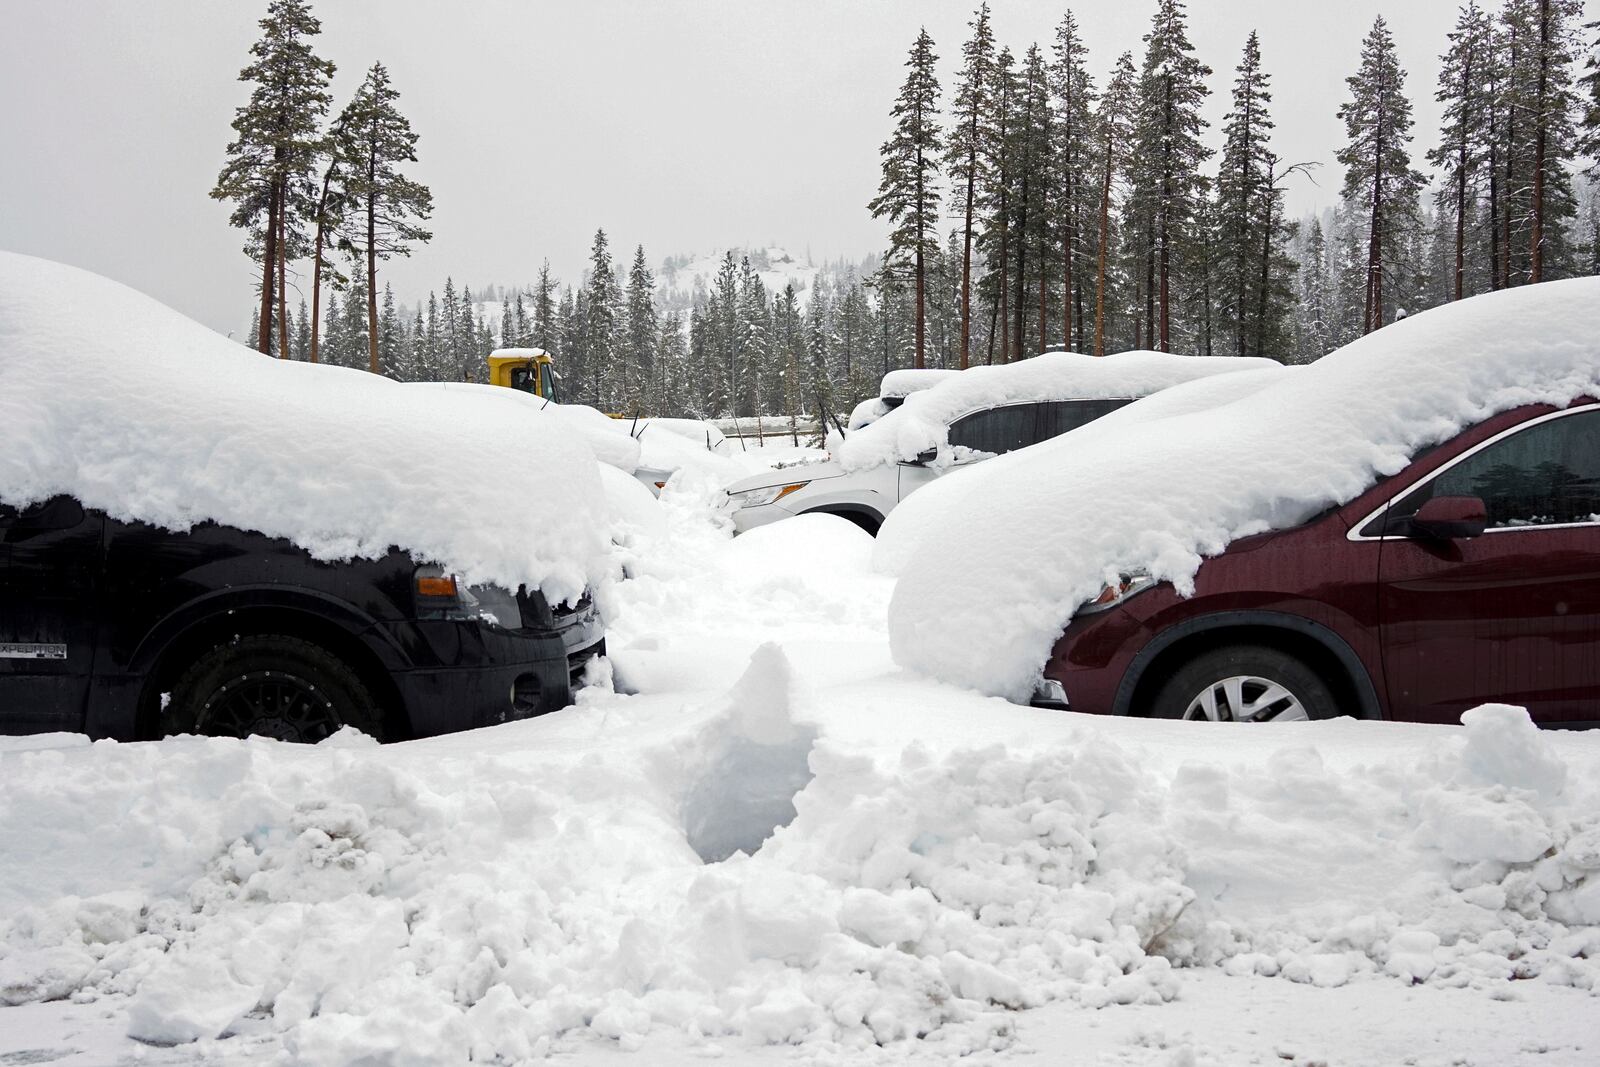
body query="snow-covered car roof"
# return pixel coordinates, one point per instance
(1013, 547)
(113, 398)
(899, 384)
(922, 421)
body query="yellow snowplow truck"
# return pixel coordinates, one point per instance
(531, 370)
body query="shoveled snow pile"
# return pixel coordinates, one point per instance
(141, 412)
(922, 422)
(488, 896)
(1035, 537)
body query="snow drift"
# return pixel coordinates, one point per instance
(1013, 548)
(145, 414)
(922, 422)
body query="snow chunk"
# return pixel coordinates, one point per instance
(145, 414)
(188, 999)
(1017, 549)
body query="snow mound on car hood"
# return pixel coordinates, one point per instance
(109, 396)
(1031, 539)
(922, 421)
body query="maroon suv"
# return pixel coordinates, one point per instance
(1471, 576)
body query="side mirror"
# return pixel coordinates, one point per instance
(927, 456)
(1450, 517)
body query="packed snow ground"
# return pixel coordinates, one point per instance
(958, 876)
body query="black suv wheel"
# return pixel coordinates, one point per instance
(1244, 683)
(273, 686)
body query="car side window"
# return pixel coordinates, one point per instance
(1063, 416)
(996, 430)
(1545, 475)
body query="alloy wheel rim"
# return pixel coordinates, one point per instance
(1246, 698)
(271, 704)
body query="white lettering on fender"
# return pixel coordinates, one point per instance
(14, 650)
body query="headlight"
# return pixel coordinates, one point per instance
(1115, 594)
(492, 604)
(442, 596)
(754, 498)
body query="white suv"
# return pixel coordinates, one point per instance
(962, 419)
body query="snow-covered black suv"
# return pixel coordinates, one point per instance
(124, 630)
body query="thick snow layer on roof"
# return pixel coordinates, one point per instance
(1033, 538)
(922, 422)
(610, 444)
(134, 409)
(914, 516)
(904, 382)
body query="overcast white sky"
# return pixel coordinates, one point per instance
(686, 125)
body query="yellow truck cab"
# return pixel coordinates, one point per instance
(531, 370)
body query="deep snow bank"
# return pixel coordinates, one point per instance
(148, 415)
(484, 894)
(1040, 534)
(922, 422)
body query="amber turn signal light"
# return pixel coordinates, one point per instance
(436, 585)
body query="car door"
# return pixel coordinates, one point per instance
(48, 614)
(1512, 615)
(1063, 416)
(978, 436)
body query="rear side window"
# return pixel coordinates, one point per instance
(1063, 416)
(996, 430)
(1545, 475)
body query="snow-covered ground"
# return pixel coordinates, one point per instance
(957, 876)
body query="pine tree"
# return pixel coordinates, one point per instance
(1253, 296)
(1073, 91)
(963, 151)
(301, 346)
(640, 330)
(908, 195)
(270, 161)
(390, 357)
(1378, 179)
(1464, 90)
(1113, 134)
(669, 384)
(600, 326)
(373, 140)
(1551, 103)
(755, 348)
(1589, 106)
(999, 144)
(1035, 170)
(353, 330)
(1169, 187)
(544, 310)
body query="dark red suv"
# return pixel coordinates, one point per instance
(1471, 576)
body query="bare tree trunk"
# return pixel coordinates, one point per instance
(316, 264)
(966, 240)
(922, 216)
(1536, 251)
(283, 296)
(269, 255)
(1100, 258)
(372, 258)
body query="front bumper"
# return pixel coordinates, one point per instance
(747, 519)
(470, 674)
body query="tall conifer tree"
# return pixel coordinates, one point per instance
(374, 139)
(274, 151)
(963, 151)
(1379, 181)
(908, 195)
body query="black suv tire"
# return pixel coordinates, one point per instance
(1256, 662)
(272, 685)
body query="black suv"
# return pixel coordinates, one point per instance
(124, 630)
